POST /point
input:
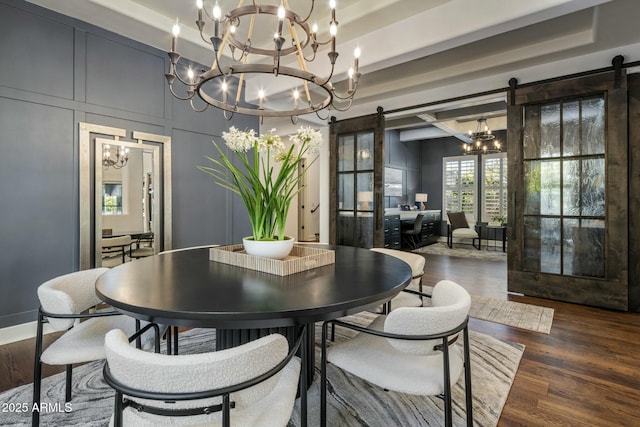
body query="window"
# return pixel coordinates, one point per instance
(459, 181)
(112, 199)
(494, 187)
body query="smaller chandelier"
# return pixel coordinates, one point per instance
(265, 42)
(118, 161)
(481, 140)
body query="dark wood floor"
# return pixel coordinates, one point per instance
(586, 372)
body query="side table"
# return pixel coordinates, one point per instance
(492, 231)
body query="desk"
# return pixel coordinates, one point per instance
(186, 289)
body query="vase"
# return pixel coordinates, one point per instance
(276, 249)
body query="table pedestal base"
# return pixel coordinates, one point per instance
(227, 338)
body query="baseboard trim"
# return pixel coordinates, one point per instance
(21, 332)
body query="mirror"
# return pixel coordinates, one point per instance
(125, 202)
(131, 198)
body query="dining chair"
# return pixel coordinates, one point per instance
(116, 246)
(67, 303)
(411, 350)
(142, 246)
(458, 227)
(253, 384)
(406, 298)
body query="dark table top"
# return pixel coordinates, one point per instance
(185, 288)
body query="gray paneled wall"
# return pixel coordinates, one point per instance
(57, 72)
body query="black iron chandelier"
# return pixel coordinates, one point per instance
(118, 161)
(265, 42)
(482, 140)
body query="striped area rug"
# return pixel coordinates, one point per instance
(517, 314)
(351, 402)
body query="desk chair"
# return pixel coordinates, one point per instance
(413, 236)
(410, 350)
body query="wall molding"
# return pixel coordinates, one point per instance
(23, 331)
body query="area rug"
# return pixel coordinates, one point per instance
(351, 401)
(463, 251)
(516, 314)
(511, 313)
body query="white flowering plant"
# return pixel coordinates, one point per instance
(266, 195)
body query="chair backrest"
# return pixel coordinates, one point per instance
(415, 261)
(158, 372)
(115, 241)
(450, 308)
(145, 238)
(458, 220)
(72, 293)
(417, 224)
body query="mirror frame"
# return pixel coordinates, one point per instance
(88, 136)
(155, 150)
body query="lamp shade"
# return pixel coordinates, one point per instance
(421, 197)
(365, 196)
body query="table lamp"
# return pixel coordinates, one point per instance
(364, 197)
(421, 201)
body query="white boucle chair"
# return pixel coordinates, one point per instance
(253, 384)
(406, 299)
(420, 359)
(64, 301)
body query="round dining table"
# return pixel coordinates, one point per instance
(184, 288)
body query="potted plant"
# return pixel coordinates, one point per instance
(266, 194)
(498, 220)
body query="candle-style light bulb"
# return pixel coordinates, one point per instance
(261, 98)
(224, 91)
(332, 4)
(296, 97)
(333, 29)
(281, 12)
(199, 6)
(190, 74)
(314, 28)
(175, 31)
(350, 79)
(356, 58)
(217, 13)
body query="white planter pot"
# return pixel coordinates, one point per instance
(276, 249)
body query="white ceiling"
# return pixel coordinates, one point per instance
(417, 51)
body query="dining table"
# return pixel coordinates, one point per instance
(186, 289)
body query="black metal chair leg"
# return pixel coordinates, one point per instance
(67, 397)
(37, 372)
(303, 376)
(168, 334)
(117, 410)
(467, 379)
(323, 376)
(175, 340)
(448, 421)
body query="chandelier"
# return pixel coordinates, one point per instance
(269, 47)
(118, 161)
(480, 140)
